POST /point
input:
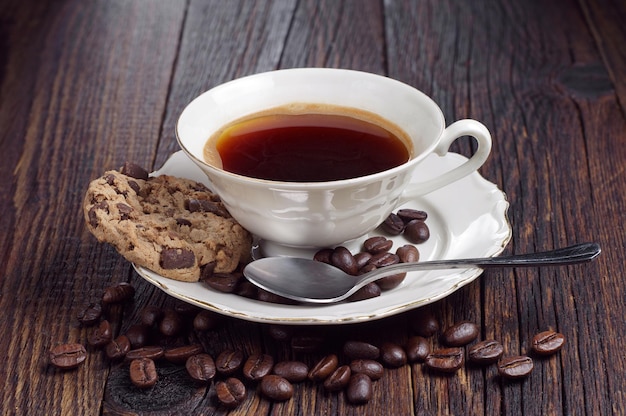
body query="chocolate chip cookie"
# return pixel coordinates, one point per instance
(172, 226)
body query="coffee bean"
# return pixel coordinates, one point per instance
(372, 368)
(257, 366)
(293, 371)
(417, 349)
(391, 282)
(118, 293)
(485, 352)
(362, 259)
(409, 215)
(153, 352)
(118, 348)
(344, 260)
(179, 355)
(323, 368)
(515, 367)
(416, 232)
(338, 379)
(138, 335)
(276, 388)
(408, 254)
(377, 244)
(230, 392)
(359, 390)
(547, 342)
(392, 355)
(447, 360)
(360, 349)
(424, 323)
(265, 296)
(224, 282)
(370, 290)
(384, 259)
(229, 361)
(67, 356)
(206, 321)
(246, 289)
(176, 258)
(323, 255)
(393, 225)
(201, 367)
(143, 373)
(101, 335)
(90, 315)
(367, 268)
(150, 315)
(460, 334)
(171, 323)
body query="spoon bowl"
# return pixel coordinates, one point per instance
(311, 281)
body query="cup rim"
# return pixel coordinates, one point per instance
(249, 180)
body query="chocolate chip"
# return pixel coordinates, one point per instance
(124, 210)
(93, 218)
(134, 171)
(110, 179)
(176, 258)
(204, 205)
(183, 221)
(134, 186)
(200, 187)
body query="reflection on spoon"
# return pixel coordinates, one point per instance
(312, 281)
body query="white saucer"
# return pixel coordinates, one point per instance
(466, 219)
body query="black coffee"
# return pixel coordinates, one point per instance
(308, 147)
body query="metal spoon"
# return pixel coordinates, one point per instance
(312, 281)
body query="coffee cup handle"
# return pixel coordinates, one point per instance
(466, 127)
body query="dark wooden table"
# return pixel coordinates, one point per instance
(87, 85)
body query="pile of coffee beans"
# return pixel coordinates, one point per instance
(375, 253)
(352, 368)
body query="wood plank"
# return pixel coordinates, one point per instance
(531, 86)
(605, 19)
(76, 108)
(331, 34)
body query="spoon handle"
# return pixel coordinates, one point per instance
(568, 255)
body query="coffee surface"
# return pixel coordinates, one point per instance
(308, 147)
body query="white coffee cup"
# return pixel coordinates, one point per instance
(324, 214)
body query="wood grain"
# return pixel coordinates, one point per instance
(85, 86)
